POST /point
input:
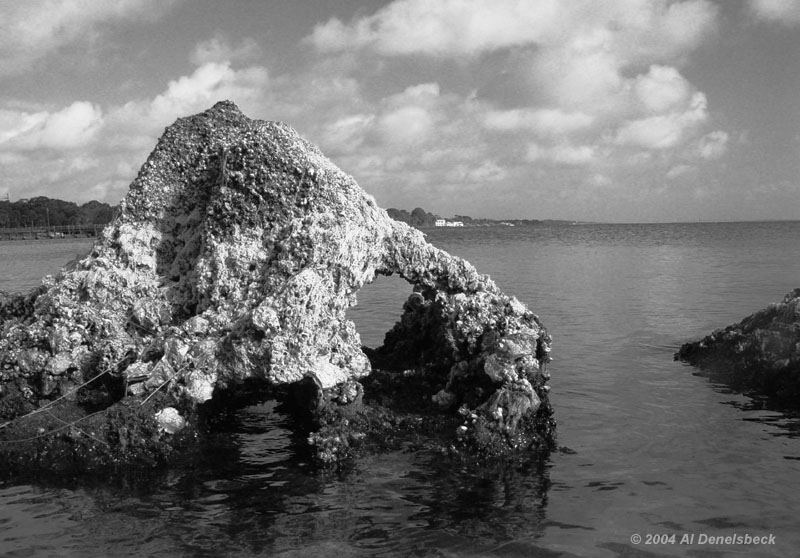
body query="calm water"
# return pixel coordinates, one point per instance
(648, 446)
(23, 263)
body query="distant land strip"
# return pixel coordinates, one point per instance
(44, 217)
(420, 218)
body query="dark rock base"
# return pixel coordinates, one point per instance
(77, 438)
(66, 441)
(760, 354)
(396, 410)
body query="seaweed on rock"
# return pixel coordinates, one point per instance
(234, 257)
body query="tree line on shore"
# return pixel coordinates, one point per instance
(416, 218)
(420, 218)
(48, 212)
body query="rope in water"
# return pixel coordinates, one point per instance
(53, 402)
(56, 430)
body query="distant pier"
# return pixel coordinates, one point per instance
(44, 233)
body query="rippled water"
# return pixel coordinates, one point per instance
(23, 263)
(648, 446)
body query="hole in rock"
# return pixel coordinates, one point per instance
(379, 307)
(254, 426)
(258, 435)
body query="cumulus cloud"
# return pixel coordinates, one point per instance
(408, 117)
(405, 120)
(785, 12)
(346, 134)
(541, 121)
(132, 129)
(481, 173)
(136, 124)
(470, 27)
(445, 27)
(654, 113)
(664, 131)
(662, 89)
(562, 154)
(587, 79)
(601, 97)
(589, 68)
(713, 145)
(207, 84)
(487, 171)
(406, 125)
(219, 50)
(583, 48)
(600, 79)
(57, 149)
(69, 128)
(32, 29)
(679, 170)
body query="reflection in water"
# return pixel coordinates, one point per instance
(417, 501)
(251, 493)
(653, 446)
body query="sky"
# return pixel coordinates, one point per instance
(590, 110)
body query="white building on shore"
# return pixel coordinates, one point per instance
(444, 223)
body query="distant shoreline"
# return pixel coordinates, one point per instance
(556, 222)
(51, 233)
(485, 223)
(51, 239)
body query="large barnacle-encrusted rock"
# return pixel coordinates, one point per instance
(235, 256)
(761, 353)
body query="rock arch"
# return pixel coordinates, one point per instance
(235, 255)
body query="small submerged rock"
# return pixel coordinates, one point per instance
(760, 353)
(234, 258)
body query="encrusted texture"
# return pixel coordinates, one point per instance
(235, 256)
(761, 353)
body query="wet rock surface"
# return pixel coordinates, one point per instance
(232, 261)
(760, 354)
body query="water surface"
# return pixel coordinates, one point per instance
(23, 263)
(648, 446)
